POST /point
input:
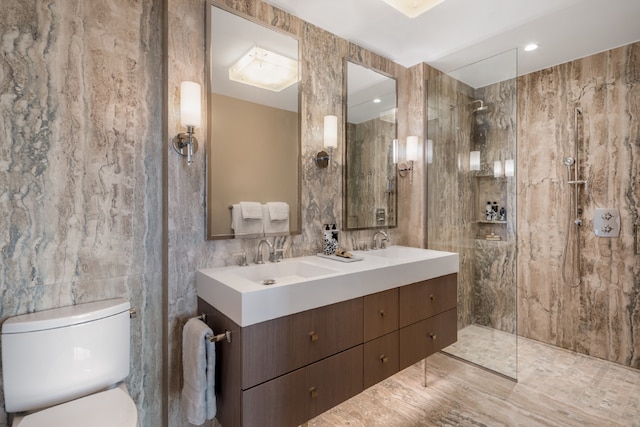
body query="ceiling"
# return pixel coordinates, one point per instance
(457, 33)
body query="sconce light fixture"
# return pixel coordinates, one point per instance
(429, 151)
(395, 151)
(497, 169)
(186, 144)
(411, 153)
(509, 167)
(474, 161)
(330, 141)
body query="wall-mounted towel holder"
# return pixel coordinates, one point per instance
(215, 338)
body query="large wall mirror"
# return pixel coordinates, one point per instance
(370, 196)
(253, 166)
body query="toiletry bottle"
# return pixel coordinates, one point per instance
(489, 211)
(494, 214)
(503, 214)
(327, 240)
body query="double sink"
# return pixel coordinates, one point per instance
(260, 292)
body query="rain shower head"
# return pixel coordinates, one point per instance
(482, 107)
(569, 161)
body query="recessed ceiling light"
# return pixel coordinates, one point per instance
(530, 47)
(413, 8)
(265, 69)
(377, 101)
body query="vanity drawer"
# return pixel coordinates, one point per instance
(297, 397)
(425, 299)
(424, 338)
(380, 314)
(380, 359)
(279, 346)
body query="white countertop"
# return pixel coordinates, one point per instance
(248, 302)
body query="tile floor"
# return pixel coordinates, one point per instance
(555, 388)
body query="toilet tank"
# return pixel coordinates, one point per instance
(53, 356)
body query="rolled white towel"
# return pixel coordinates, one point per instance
(194, 369)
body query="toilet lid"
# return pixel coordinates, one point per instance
(110, 408)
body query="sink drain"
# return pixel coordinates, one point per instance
(268, 281)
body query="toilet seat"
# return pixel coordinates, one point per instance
(110, 408)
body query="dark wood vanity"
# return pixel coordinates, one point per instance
(285, 371)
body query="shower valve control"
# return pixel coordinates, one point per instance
(606, 222)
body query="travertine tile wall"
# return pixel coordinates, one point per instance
(601, 317)
(80, 167)
(322, 56)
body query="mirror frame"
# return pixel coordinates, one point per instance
(345, 109)
(208, 146)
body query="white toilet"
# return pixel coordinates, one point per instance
(65, 367)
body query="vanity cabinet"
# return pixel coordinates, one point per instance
(285, 371)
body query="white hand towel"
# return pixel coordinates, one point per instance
(242, 226)
(211, 380)
(278, 211)
(274, 228)
(195, 370)
(251, 210)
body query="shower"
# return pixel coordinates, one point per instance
(480, 108)
(574, 222)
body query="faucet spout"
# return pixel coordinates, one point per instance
(385, 239)
(259, 259)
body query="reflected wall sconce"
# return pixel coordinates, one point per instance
(411, 153)
(509, 167)
(395, 151)
(186, 144)
(429, 151)
(497, 169)
(329, 141)
(474, 161)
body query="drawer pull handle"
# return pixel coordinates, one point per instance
(433, 336)
(432, 297)
(384, 359)
(313, 392)
(313, 336)
(382, 313)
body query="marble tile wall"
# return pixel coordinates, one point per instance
(80, 167)
(601, 317)
(321, 94)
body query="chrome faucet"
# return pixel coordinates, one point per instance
(383, 242)
(271, 251)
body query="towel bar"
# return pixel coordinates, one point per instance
(215, 338)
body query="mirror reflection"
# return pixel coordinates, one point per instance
(254, 129)
(371, 154)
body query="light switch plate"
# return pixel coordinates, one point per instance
(606, 222)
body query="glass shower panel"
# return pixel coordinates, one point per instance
(471, 202)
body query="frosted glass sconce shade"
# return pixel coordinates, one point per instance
(509, 167)
(412, 148)
(190, 104)
(497, 169)
(330, 131)
(474, 160)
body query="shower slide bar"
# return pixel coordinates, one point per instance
(226, 336)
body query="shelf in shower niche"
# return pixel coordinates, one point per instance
(484, 221)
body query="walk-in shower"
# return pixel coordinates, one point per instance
(574, 211)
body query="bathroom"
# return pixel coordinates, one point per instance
(97, 204)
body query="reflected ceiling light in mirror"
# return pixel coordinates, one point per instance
(186, 144)
(509, 167)
(265, 69)
(377, 101)
(530, 47)
(413, 8)
(329, 140)
(474, 161)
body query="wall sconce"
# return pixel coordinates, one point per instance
(330, 141)
(474, 161)
(395, 151)
(411, 156)
(509, 167)
(429, 151)
(497, 169)
(186, 144)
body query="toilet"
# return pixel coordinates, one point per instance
(66, 366)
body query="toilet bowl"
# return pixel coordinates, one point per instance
(65, 367)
